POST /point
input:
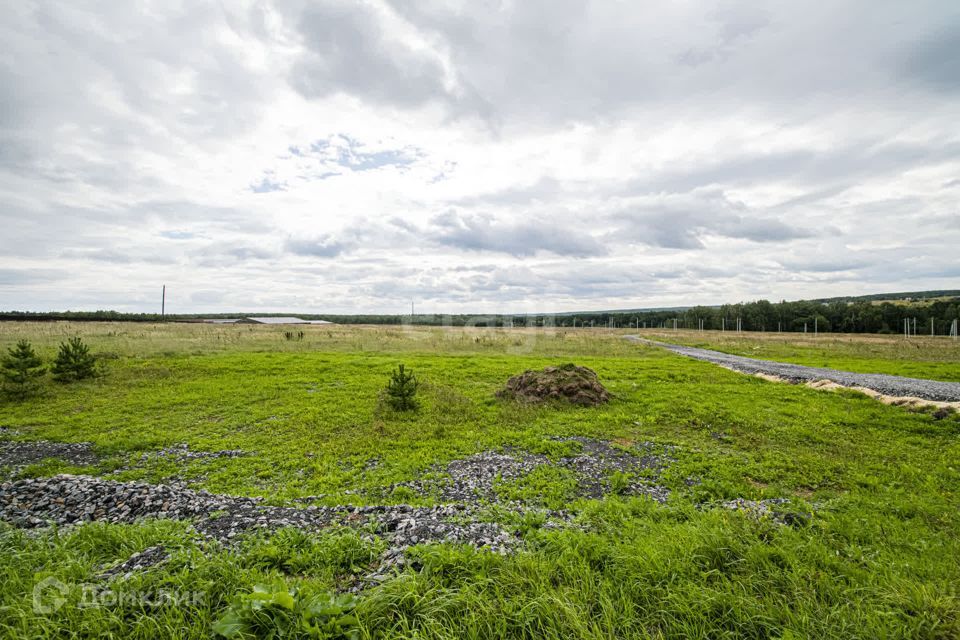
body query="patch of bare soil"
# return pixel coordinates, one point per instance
(943, 408)
(567, 383)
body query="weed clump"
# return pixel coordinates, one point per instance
(274, 611)
(567, 383)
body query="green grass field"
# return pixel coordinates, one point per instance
(879, 558)
(931, 357)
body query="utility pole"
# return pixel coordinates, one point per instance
(163, 302)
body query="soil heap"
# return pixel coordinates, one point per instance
(567, 383)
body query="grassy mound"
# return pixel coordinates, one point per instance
(568, 383)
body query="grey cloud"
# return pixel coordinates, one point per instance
(485, 233)
(827, 265)
(845, 164)
(543, 189)
(345, 152)
(250, 253)
(70, 61)
(733, 23)
(682, 221)
(175, 234)
(760, 230)
(207, 296)
(539, 61)
(267, 185)
(934, 59)
(322, 247)
(351, 52)
(119, 256)
(20, 277)
(237, 251)
(200, 216)
(857, 97)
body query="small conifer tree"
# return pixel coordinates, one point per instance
(402, 389)
(21, 368)
(74, 361)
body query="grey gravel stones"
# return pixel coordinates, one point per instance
(475, 478)
(469, 485)
(773, 509)
(599, 459)
(19, 454)
(896, 386)
(182, 453)
(149, 557)
(66, 499)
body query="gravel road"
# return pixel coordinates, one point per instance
(888, 385)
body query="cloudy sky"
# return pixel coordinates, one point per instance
(475, 155)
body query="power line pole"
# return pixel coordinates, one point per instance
(163, 302)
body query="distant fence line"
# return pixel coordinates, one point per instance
(913, 318)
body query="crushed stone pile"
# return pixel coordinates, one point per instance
(568, 383)
(68, 499)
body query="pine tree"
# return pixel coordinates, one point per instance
(74, 361)
(402, 389)
(21, 368)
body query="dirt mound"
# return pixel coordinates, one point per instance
(568, 382)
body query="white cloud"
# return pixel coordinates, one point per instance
(349, 156)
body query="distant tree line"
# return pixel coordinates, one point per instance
(864, 314)
(762, 315)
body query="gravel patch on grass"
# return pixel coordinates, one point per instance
(475, 478)
(598, 460)
(182, 453)
(894, 386)
(20, 454)
(65, 500)
(469, 485)
(774, 509)
(146, 559)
